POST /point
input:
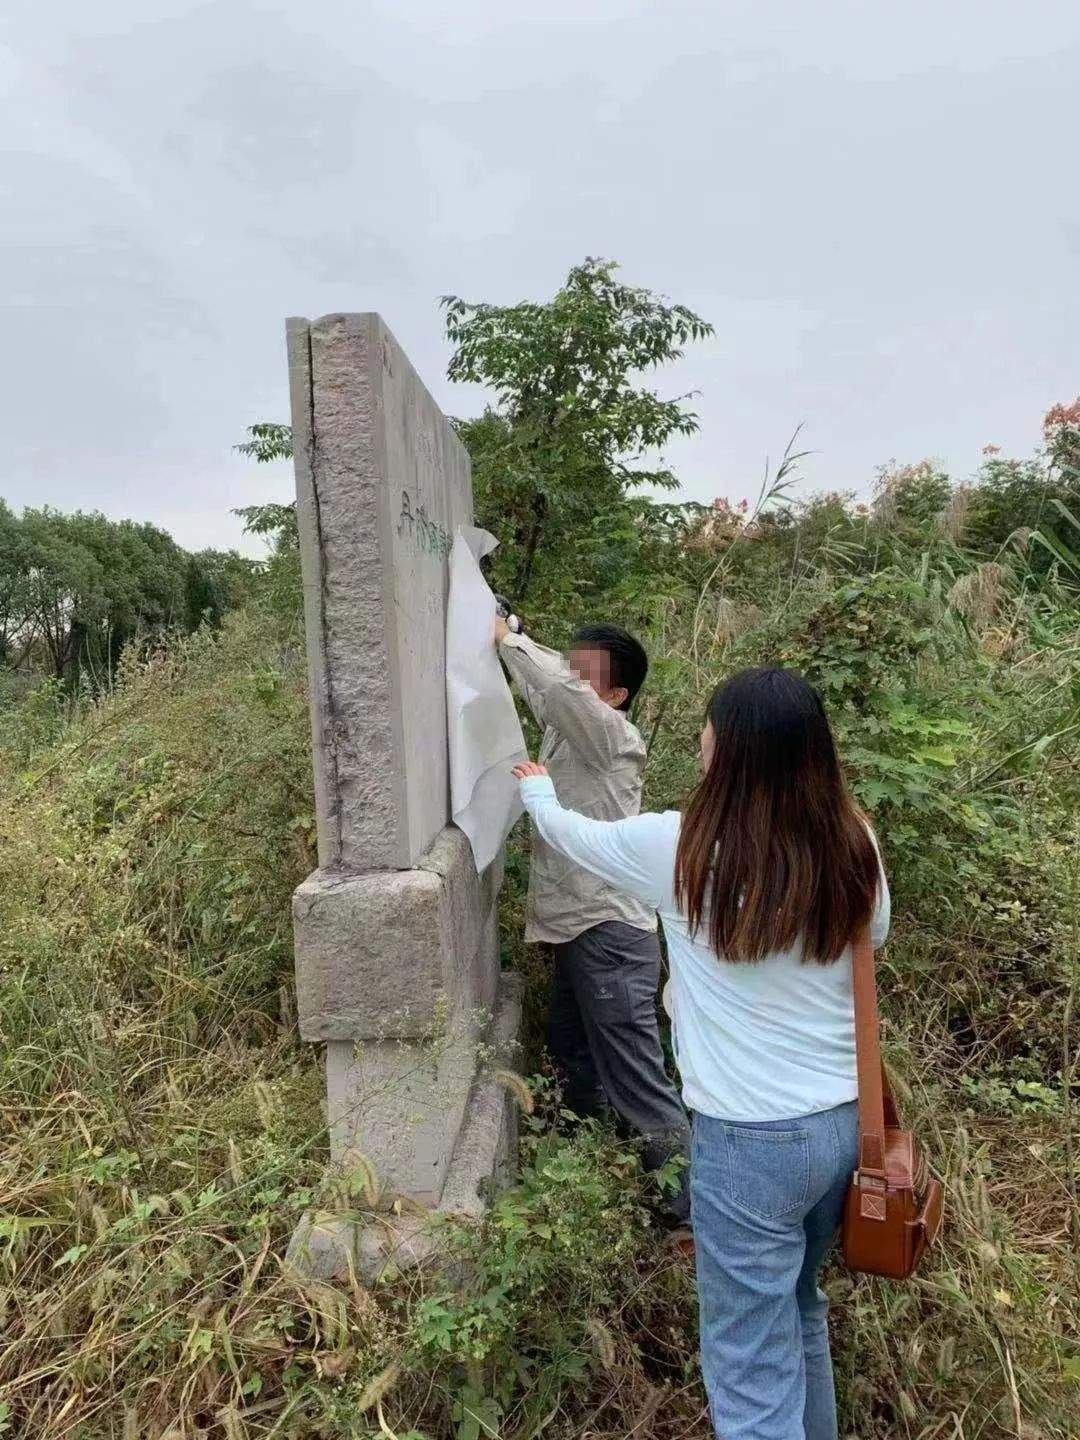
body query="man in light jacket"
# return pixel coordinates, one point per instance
(602, 1032)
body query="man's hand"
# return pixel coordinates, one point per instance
(500, 630)
(528, 768)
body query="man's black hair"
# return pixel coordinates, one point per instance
(629, 663)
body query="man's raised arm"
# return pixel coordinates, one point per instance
(559, 698)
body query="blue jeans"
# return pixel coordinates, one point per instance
(767, 1202)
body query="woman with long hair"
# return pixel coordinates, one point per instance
(762, 883)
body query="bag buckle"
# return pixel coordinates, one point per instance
(873, 1200)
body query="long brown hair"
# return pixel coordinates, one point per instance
(772, 845)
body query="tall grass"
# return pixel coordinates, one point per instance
(163, 1126)
(963, 746)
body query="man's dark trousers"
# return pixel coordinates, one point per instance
(605, 1042)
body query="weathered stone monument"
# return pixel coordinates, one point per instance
(397, 966)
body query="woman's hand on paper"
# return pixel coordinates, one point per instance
(527, 769)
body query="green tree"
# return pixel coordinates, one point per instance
(66, 587)
(15, 596)
(215, 582)
(1011, 498)
(277, 580)
(573, 432)
(95, 584)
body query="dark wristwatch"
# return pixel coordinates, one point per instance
(504, 609)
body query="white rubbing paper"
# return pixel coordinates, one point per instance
(483, 729)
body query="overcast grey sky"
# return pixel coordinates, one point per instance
(876, 206)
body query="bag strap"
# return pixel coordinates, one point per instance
(873, 1087)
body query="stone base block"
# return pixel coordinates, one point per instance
(399, 1104)
(325, 1245)
(380, 955)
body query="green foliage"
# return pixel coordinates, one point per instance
(1014, 497)
(559, 1241)
(151, 845)
(279, 586)
(1060, 546)
(268, 441)
(215, 582)
(75, 589)
(552, 1257)
(32, 723)
(557, 457)
(912, 497)
(16, 595)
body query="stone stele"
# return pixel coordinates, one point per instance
(397, 966)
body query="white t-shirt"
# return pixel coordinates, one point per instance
(767, 1041)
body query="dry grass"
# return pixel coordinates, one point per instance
(977, 595)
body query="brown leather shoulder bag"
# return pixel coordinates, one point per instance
(894, 1205)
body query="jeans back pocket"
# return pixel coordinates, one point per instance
(768, 1170)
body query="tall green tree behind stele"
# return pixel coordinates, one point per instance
(558, 456)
